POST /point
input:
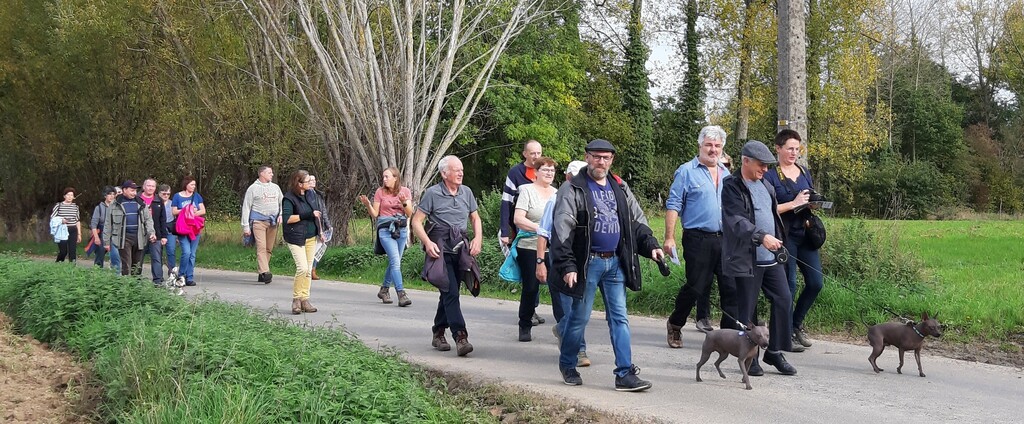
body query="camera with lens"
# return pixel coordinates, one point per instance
(815, 196)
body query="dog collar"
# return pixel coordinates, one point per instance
(917, 331)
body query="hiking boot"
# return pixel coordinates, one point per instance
(190, 283)
(675, 339)
(403, 299)
(439, 342)
(462, 345)
(755, 369)
(537, 320)
(796, 346)
(582, 360)
(524, 335)
(313, 275)
(630, 382)
(800, 336)
(571, 377)
(554, 332)
(704, 326)
(270, 277)
(307, 307)
(384, 295)
(296, 306)
(262, 278)
(778, 361)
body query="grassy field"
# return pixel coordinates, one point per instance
(967, 271)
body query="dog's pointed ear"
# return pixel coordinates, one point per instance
(935, 315)
(924, 316)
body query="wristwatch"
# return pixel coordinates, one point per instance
(540, 261)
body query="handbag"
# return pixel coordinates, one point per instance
(814, 232)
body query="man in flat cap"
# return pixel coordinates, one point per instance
(752, 234)
(598, 232)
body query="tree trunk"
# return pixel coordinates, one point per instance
(792, 103)
(743, 85)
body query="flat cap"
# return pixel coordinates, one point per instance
(599, 145)
(757, 150)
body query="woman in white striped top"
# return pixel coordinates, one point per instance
(68, 211)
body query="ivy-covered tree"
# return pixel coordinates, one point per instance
(636, 101)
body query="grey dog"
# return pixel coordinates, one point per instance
(741, 344)
(905, 337)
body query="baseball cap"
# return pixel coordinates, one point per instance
(757, 150)
(129, 184)
(575, 167)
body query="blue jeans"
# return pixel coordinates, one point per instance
(187, 266)
(172, 243)
(395, 248)
(810, 267)
(115, 260)
(155, 250)
(607, 275)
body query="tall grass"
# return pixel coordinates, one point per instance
(165, 360)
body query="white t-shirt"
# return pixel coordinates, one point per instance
(530, 201)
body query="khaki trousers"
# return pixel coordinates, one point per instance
(303, 256)
(266, 237)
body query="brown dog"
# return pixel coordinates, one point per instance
(741, 344)
(905, 337)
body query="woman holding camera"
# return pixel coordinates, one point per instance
(793, 188)
(391, 208)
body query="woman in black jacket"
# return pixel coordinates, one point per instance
(300, 233)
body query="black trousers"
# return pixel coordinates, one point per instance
(527, 261)
(772, 281)
(449, 310)
(69, 248)
(702, 252)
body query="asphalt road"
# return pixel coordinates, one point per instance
(835, 382)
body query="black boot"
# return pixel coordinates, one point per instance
(755, 368)
(779, 362)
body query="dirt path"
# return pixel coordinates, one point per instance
(38, 385)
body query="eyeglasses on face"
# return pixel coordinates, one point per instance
(547, 170)
(602, 158)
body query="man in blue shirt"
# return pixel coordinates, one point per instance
(696, 197)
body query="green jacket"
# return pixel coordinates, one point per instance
(114, 224)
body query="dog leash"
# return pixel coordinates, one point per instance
(854, 291)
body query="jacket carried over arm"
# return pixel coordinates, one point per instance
(572, 224)
(740, 237)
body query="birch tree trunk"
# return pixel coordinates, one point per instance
(395, 80)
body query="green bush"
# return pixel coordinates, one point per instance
(164, 359)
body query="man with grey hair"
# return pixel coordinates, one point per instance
(450, 206)
(752, 234)
(261, 215)
(696, 198)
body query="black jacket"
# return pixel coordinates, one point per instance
(156, 210)
(739, 236)
(301, 231)
(572, 224)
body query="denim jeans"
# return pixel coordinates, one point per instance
(561, 302)
(155, 250)
(607, 275)
(115, 260)
(172, 243)
(810, 267)
(395, 248)
(187, 266)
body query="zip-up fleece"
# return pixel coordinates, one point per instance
(573, 222)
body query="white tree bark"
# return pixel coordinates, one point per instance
(397, 79)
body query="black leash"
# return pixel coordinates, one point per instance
(851, 289)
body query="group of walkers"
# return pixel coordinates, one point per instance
(578, 236)
(128, 225)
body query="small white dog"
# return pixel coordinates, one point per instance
(174, 282)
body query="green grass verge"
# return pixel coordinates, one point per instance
(162, 359)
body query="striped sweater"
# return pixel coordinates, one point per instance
(68, 211)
